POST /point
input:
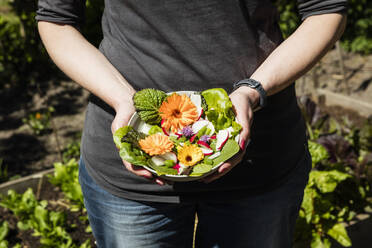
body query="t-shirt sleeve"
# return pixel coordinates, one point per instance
(317, 7)
(61, 11)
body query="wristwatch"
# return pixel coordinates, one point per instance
(254, 85)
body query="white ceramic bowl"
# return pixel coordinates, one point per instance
(136, 122)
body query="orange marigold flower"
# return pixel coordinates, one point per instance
(177, 111)
(156, 144)
(189, 155)
(38, 116)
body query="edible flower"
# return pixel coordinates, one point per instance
(156, 144)
(189, 155)
(177, 111)
(205, 138)
(187, 131)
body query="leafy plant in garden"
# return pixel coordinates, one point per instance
(4, 230)
(33, 214)
(332, 198)
(39, 122)
(338, 188)
(65, 176)
(71, 151)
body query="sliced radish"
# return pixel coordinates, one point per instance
(200, 111)
(204, 144)
(222, 137)
(199, 125)
(165, 131)
(202, 123)
(230, 130)
(213, 137)
(177, 167)
(193, 137)
(178, 135)
(144, 128)
(157, 160)
(169, 156)
(196, 100)
(162, 128)
(206, 151)
(217, 154)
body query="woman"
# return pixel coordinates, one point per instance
(253, 199)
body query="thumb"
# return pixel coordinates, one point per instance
(120, 120)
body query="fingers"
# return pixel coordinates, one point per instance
(142, 172)
(244, 114)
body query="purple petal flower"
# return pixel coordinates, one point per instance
(205, 138)
(187, 131)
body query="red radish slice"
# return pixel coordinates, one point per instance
(217, 154)
(162, 128)
(169, 156)
(200, 111)
(157, 160)
(199, 125)
(192, 138)
(206, 151)
(179, 135)
(196, 100)
(222, 137)
(144, 128)
(230, 129)
(177, 167)
(202, 123)
(204, 144)
(213, 137)
(165, 131)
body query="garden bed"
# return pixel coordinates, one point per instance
(39, 210)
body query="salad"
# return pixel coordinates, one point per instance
(180, 133)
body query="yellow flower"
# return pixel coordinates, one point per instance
(38, 116)
(177, 111)
(156, 144)
(190, 154)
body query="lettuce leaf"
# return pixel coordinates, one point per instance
(228, 151)
(200, 169)
(162, 170)
(220, 111)
(126, 139)
(133, 155)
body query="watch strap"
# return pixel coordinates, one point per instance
(254, 84)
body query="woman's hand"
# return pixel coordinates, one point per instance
(243, 100)
(122, 117)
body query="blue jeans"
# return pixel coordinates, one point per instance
(259, 221)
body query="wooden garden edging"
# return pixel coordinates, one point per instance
(331, 98)
(20, 185)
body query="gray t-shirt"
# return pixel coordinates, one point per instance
(192, 45)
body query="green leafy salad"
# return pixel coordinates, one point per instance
(180, 134)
